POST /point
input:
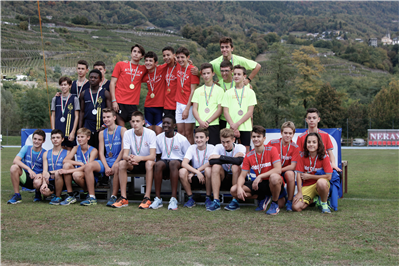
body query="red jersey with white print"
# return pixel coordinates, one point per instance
(170, 86)
(289, 153)
(324, 137)
(155, 86)
(254, 161)
(307, 165)
(184, 77)
(123, 93)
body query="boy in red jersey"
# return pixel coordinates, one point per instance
(264, 160)
(289, 153)
(313, 118)
(126, 85)
(170, 84)
(312, 159)
(186, 85)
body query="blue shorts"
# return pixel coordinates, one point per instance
(110, 164)
(153, 116)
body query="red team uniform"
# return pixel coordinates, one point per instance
(289, 154)
(306, 164)
(324, 137)
(170, 86)
(158, 84)
(183, 94)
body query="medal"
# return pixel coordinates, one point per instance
(261, 160)
(81, 88)
(169, 152)
(168, 76)
(182, 91)
(131, 86)
(184, 78)
(110, 143)
(31, 157)
(151, 82)
(110, 154)
(310, 164)
(168, 90)
(207, 110)
(281, 152)
(94, 111)
(198, 156)
(138, 148)
(63, 108)
(240, 112)
(152, 95)
(62, 119)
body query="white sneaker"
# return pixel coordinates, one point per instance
(156, 204)
(172, 204)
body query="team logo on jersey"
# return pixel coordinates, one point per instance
(181, 75)
(176, 147)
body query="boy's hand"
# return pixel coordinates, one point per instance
(71, 136)
(115, 106)
(237, 133)
(256, 183)
(298, 197)
(201, 178)
(214, 156)
(190, 176)
(241, 193)
(58, 94)
(203, 124)
(194, 70)
(184, 116)
(108, 171)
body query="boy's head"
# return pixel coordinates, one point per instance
(239, 73)
(100, 65)
(227, 138)
(38, 138)
(137, 52)
(150, 60)
(207, 72)
(83, 135)
(226, 69)
(312, 117)
(226, 46)
(168, 123)
(182, 56)
(95, 77)
(168, 54)
(57, 137)
(287, 131)
(138, 120)
(109, 116)
(65, 84)
(82, 68)
(201, 136)
(258, 135)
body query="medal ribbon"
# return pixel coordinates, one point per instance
(91, 96)
(63, 108)
(232, 153)
(184, 78)
(281, 151)
(231, 85)
(84, 157)
(261, 160)
(149, 79)
(81, 88)
(171, 146)
(56, 161)
(141, 143)
(242, 95)
(198, 156)
(210, 94)
(170, 73)
(310, 164)
(110, 144)
(103, 82)
(31, 157)
(132, 79)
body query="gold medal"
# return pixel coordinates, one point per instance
(131, 86)
(152, 95)
(110, 154)
(182, 91)
(168, 90)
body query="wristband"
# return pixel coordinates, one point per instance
(249, 79)
(207, 122)
(113, 100)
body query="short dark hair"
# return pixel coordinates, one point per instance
(321, 151)
(40, 132)
(151, 54)
(244, 70)
(202, 130)
(67, 79)
(99, 63)
(57, 131)
(183, 50)
(171, 117)
(97, 72)
(312, 110)
(226, 40)
(138, 113)
(83, 62)
(259, 130)
(142, 50)
(169, 48)
(109, 110)
(206, 65)
(226, 63)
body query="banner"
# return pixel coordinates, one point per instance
(383, 137)
(26, 138)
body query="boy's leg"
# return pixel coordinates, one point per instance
(149, 174)
(90, 168)
(236, 170)
(275, 183)
(247, 190)
(174, 167)
(217, 177)
(189, 132)
(79, 178)
(208, 180)
(160, 166)
(68, 177)
(245, 137)
(183, 175)
(124, 166)
(59, 184)
(15, 173)
(290, 180)
(115, 181)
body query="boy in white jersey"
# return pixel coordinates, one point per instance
(139, 147)
(110, 140)
(198, 173)
(225, 162)
(171, 148)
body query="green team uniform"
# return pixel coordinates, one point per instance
(235, 60)
(225, 87)
(206, 108)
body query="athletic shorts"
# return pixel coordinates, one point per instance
(263, 189)
(25, 180)
(222, 124)
(153, 116)
(93, 141)
(138, 169)
(245, 137)
(169, 112)
(309, 192)
(179, 113)
(195, 184)
(214, 135)
(67, 143)
(126, 111)
(166, 171)
(227, 181)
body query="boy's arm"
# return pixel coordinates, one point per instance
(52, 120)
(185, 164)
(120, 156)
(215, 114)
(197, 117)
(18, 161)
(332, 160)
(247, 116)
(112, 85)
(82, 110)
(45, 173)
(150, 157)
(108, 99)
(227, 116)
(253, 74)
(71, 136)
(202, 168)
(276, 170)
(240, 183)
(101, 149)
(290, 167)
(186, 111)
(93, 155)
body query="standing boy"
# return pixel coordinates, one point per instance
(139, 147)
(170, 84)
(125, 85)
(81, 84)
(186, 85)
(226, 83)
(26, 170)
(171, 148)
(207, 107)
(238, 104)
(100, 65)
(65, 113)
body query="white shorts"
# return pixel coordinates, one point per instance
(179, 112)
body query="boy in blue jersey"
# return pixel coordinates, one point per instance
(65, 113)
(100, 65)
(74, 167)
(110, 140)
(81, 84)
(92, 102)
(52, 162)
(28, 167)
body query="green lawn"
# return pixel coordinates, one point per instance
(363, 232)
(11, 140)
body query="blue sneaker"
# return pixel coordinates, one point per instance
(68, 200)
(288, 205)
(38, 196)
(262, 206)
(190, 203)
(215, 206)
(274, 209)
(233, 206)
(56, 201)
(172, 204)
(16, 198)
(324, 208)
(89, 201)
(111, 201)
(208, 202)
(28, 190)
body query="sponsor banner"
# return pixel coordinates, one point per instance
(383, 137)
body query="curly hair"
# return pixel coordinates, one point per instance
(321, 151)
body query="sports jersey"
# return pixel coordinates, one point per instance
(83, 158)
(105, 84)
(64, 121)
(77, 90)
(304, 166)
(124, 73)
(287, 156)
(184, 77)
(113, 144)
(226, 86)
(235, 60)
(33, 159)
(172, 148)
(156, 87)
(254, 161)
(219, 150)
(324, 137)
(93, 121)
(55, 161)
(197, 157)
(208, 102)
(247, 98)
(140, 145)
(170, 88)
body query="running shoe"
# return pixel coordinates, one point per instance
(288, 205)
(157, 203)
(89, 201)
(324, 208)
(56, 201)
(121, 202)
(274, 209)
(262, 206)
(111, 201)
(215, 206)
(68, 200)
(16, 198)
(190, 203)
(28, 190)
(317, 202)
(208, 202)
(233, 206)
(172, 204)
(38, 196)
(145, 204)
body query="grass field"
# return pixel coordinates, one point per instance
(364, 231)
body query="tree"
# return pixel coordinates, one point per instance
(23, 25)
(34, 108)
(9, 112)
(309, 68)
(329, 103)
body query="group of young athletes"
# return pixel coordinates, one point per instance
(90, 139)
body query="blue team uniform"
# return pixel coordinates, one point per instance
(75, 88)
(92, 121)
